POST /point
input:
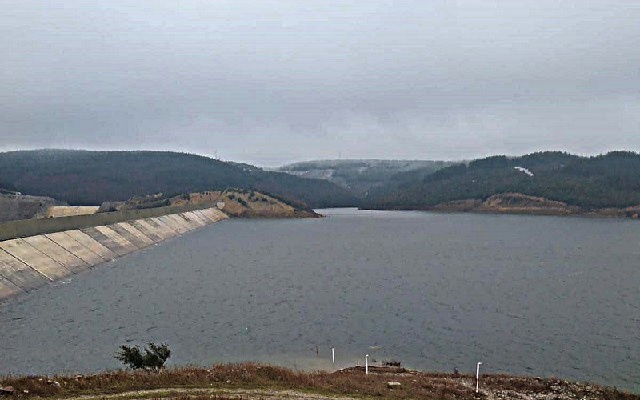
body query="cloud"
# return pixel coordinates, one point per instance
(270, 82)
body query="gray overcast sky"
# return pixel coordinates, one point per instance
(269, 82)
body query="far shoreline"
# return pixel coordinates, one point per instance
(585, 215)
(519, 204)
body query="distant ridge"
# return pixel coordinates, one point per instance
(605, 181)
(82, 177)
(361, 175)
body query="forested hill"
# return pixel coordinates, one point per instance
(91, 177)
(359, 176)
(611, 180)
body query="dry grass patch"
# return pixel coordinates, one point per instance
(351, 382)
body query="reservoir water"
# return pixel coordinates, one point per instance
(537, 296)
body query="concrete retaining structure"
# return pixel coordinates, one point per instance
(107, 241)
(56, 252)
(147, 229)
(19, 273)
(33, 227)
(35, 259)
(69, 242)
(30, 262)
(163, 226)
(122, 244)
(92, 246)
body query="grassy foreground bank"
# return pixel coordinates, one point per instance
(254, 381)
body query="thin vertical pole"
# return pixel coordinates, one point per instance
(478, 377)
(333, 355)
(366, 364)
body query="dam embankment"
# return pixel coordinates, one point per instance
(34, 253)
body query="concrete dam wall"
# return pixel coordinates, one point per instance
(27, 263)
(33, 227)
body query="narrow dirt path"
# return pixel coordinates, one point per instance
(245, 394)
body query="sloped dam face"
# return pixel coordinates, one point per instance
(35, 261)
(538, 296)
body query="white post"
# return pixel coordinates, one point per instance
(478, 377)
(333, 355)
(366, 364)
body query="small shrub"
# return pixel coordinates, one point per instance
(153, 358)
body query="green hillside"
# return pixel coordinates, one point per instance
(92, 177)
(611, 180)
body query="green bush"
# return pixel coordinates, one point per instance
(153, 358)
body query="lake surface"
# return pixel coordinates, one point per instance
(525, 295)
